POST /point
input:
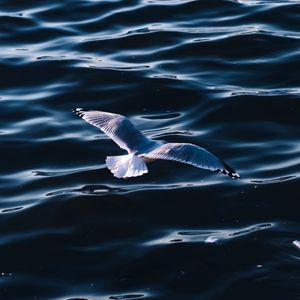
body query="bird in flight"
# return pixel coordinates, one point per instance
(142, 149)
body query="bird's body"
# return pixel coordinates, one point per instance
(141, 149)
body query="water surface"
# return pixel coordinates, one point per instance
(217, 73)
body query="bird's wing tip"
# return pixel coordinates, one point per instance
(233, 175)
(230, 172)
(78, 111)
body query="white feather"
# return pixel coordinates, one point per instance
(192, 155)
(117, 127)
(124, 166)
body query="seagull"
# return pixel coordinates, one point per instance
(142, 149)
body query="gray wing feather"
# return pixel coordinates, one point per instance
(117, 127)
(193, 155)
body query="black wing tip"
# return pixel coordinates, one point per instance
(230, 172)
(78, 111)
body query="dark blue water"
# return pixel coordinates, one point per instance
(221, 74)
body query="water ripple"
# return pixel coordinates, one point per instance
(207, 235)
(221, 74)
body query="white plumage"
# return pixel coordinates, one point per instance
(124, 166)
(140, 148)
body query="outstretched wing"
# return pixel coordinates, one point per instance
(117, 127)
(193, 155)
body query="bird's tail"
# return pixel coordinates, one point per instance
(126, 165)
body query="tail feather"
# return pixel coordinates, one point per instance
(124, 166)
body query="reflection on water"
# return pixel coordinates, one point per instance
(208, 236)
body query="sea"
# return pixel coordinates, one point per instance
(221, 74)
